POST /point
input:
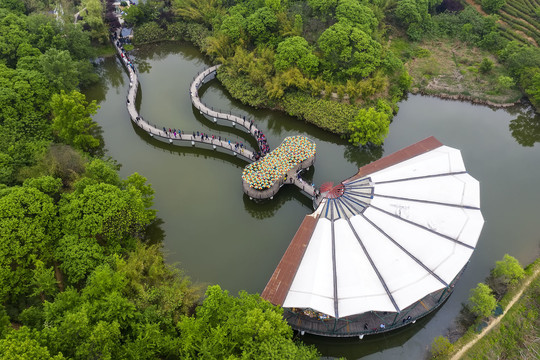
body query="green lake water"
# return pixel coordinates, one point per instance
(219, 236)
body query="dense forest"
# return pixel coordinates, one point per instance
(78, 277)
(344, 64)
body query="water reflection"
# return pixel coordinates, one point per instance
(109, 77)
(526, 128)
(363, 155)
(155, 234)
(264, 209)
(187, 150)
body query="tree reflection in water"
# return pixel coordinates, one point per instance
(526, 128)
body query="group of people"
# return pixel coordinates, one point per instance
(263, 144)
(123, 54)
(263, 174)
(174, 133)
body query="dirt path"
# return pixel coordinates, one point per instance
(495, 321)
(476, 6)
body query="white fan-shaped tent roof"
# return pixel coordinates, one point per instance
(402, 228)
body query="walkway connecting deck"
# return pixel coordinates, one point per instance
(201, 79)
(189, 139)
(292, 178)
(170, 137)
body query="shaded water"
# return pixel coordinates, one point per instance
(219, 236)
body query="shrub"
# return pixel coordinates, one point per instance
(482, 302)
(508, 269)
(440, 347)
(485, 66)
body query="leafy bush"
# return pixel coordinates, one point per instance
(492, 6)
(508, 269)
(485, 66)
(242, 89)
(440, 347)
(482, 302)
(327, 114)
(369, 126)
(148, 32)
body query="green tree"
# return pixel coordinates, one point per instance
(94, 19)
(324, 7)
(60, 69)
(43, 281)
(349, 52)
(485, 66)
(509, 270)
(133, 15)
(411, 11)
(234, 26)
(530, 80)
(112, 216)
(357, 14)
(20, 345)
(78, 257)
(505, 82)
(5, 324)
(46, 184)
(139, 183)
(295, 51)
(246, 326)
(72, 120)
(369, 126)
(440, 347)
(482, 302)
(157, 286)
(261, 25)
(6, 168)
(13, 33)
(28, 229)
(13, 5)
(492, 6)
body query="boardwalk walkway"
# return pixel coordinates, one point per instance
(166, 136)
(183, 139)
(212, 114)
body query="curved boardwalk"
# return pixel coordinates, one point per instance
(183, 139)
(200, 80)
(166, 136)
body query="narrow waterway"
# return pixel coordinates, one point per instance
(219, 236)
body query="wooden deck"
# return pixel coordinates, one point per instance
(292, 178)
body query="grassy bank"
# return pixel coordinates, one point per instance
(516, 335)
(453, 70)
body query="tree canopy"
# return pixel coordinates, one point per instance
(349, 51)
(73, 122)
(369, 126)
(230, 327)
(295, 51)
(508, 269)
(482, 302)
(28, 232)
